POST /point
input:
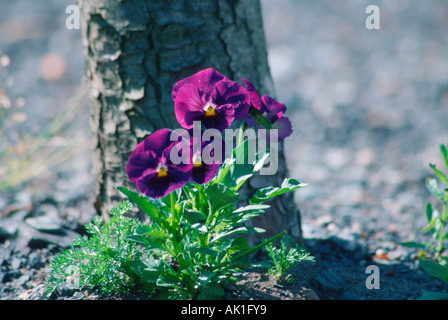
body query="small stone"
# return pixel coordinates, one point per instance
(5, 277)
(65, 291)
(346, 240)
(45, 224)
(31, 238)
(23, 280)
(309, 294)
(15, 263)
(328, 280)
(78, 295)
(38, 293)
(35, 260)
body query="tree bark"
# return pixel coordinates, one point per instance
(137, 49)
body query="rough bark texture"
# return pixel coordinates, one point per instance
(137, 49)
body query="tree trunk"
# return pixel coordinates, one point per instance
(137, 49)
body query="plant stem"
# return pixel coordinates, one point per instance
(176, 230)
(241, 134)
(443, 221)
(173, 209)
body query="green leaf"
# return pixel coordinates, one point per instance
(416, 245)
(167, 280)
(252, 208)
(435, 269)
(152, 231)
(146, 206)
(428, 295)
(433, 187)
(251, 250)
(260, 118)
(444, 151)
(150, 243)
(220, 196)
(223, 170)
(195, 215)
(200, 227)
(434, 223)
(439, 173)
(214, 289)
(429, 211)
(268, 193)
(236, 231)
(203, 250)
(145, 272)
(238, 244)
(245, 213)
(235, 171)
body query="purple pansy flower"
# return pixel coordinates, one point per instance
(151, 169)
(206, 156)
(205, 166)
(271, 109)
(211, 98)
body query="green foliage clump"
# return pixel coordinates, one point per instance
(285, 257)
(433, 257)
(194, 244)
(100, 261)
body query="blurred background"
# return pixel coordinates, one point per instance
(369, 110)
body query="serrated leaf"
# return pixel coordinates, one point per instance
(252, 207)
(220, 196)
(439, 174)
(434, 269)
(268, 193)
(236, 231)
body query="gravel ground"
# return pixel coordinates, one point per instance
(369, 109)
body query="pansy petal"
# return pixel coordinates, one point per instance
(158, 141)
(138, 163)
(152, 186)
(231, 92)
(190, 99)
(275, 108)
(254, 96)
(283, 127)
(205, 80)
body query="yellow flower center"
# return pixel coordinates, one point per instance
(162, 172)
(197, 160)
(210, 110)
